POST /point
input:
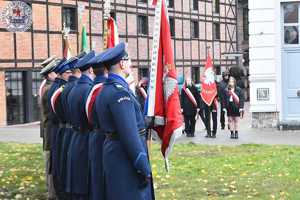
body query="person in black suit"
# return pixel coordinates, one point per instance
(190, 101)
(222, 87)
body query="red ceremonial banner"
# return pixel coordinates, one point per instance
(209, 86)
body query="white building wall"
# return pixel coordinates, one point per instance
(265, 47)
(262, 51)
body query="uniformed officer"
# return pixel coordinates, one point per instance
(46, 125)
(68, 133)
(97, 137)
(125, 157)
(63, 73)
(48, 77)
(78, 151)
(63, 136)
(54, 121)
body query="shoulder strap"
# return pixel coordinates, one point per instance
(91, 100)
(55, 96)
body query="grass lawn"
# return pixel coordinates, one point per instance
(197, 172)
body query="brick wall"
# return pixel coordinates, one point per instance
(188, 52)
(34, 46)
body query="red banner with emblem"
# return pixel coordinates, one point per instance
(209, 86)
(163, 99)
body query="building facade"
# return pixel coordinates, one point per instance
(243, 42)
(274, 63)
(195, 26)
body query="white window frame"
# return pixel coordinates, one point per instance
(283, 25)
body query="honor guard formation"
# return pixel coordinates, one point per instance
(93, 129)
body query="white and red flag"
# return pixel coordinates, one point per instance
(209, 86)
(112, 33)
(163, 95)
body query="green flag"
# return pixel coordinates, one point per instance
(83, 39)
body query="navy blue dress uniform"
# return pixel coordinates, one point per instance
(57, 108)
(46, 122)
(58, 82)
(125, 157)
(97, 137)
(77, 183)
(64, 132)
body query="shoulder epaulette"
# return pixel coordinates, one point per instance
(118, 86)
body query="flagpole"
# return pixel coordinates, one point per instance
(106, 16)
(207, 50)
(65, 33)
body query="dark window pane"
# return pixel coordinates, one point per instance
(245, 24)
(142, 25)
(195, 29)
(143, 72)
(14, 98)
(291, 12)
(196, 74)
(70, 18)
(218, 69)
(195, 4)
(217, 31)
(172, 26)
(170, 3)
(36, 82)
(216, 6)
(142, 1)
(291, 35)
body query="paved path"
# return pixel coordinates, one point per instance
(247, 135)
(30, 134)
(22, 134)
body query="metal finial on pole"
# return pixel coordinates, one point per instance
(208, 50)
(65, 31)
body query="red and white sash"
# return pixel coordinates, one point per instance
(41, 89)
(143, 92)
(54, 97)
(190, 96)
(234, 96)
(91, 100)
